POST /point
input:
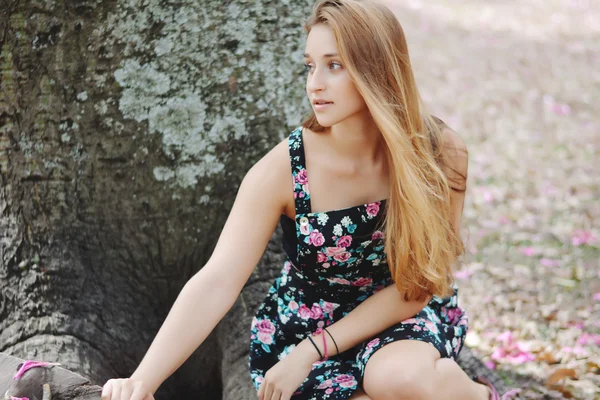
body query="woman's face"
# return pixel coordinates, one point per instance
(328, 79)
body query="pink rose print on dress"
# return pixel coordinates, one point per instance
(301, 177)
(316, 312)
(332, 251)
(329, 391)
(432, 327)
(454, 314)
(410, 321)
(325, 384)
(321, 258)
(328, 307)
(293, 306)
(345, 380)
(373, 343)
(304, 312)
(342, 257)
(316, 238)
(377, 235)
(373, 209)
(266, 329)
(344, 241)
(339, 280)
(304, 229)
(362, 282)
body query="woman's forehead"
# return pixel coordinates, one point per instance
(320, 42)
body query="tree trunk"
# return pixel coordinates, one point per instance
(125, 129)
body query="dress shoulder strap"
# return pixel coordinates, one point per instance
(299, 175)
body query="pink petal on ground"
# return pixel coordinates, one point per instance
(505, 337)
(577, 350)
(521, 358)
(580, 351)
(581, 236)
(586, 338)
(503, 220)
(528, 251)
(490, 364)
(497, 355)
(596, 296)
(561, 109)
(511, 393)
(464, 274)
(488, 196)
(548, 262)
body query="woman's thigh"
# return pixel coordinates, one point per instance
(402, 369)
(359, 395)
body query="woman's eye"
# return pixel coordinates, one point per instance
(335, 63)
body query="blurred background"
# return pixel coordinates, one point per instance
(126, 127)
(520, 81)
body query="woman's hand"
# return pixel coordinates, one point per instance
(126, 389)
(284, 378)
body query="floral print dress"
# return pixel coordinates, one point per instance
(334, 261)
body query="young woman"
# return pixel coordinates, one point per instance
(369, 192)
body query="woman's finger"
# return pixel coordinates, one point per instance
(116, 394)
(140, 394)
(107, 390)
(268, 391)
(126, 391)
(261, 390)
(285, 396)
(276, 395)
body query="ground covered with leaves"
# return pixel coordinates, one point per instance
(520, 82)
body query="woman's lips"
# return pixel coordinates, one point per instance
(322, 107)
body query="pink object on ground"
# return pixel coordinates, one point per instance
(494, 393)
(27, 365)
(18, 398)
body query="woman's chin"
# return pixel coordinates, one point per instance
(325, 122)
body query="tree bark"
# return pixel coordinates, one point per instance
(125, 129)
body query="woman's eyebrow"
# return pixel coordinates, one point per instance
(328, 55)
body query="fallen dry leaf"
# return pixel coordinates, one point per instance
(559, 375)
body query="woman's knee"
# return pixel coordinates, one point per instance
(400, 382)
(401, 370)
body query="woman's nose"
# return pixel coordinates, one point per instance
(316, 81)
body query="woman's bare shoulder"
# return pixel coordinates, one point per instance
(453, 143)
(455, 155)
(272, 174)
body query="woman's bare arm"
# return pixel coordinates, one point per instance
(211, 292)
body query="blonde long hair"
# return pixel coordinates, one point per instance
(420, 242)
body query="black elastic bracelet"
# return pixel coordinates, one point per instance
(318, 351)
(336, 347)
